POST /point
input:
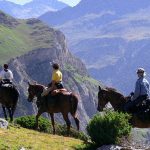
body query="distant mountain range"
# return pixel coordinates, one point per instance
(112, 37)
(32, 9)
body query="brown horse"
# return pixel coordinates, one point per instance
(8, 98)
(62, 102)
(117, 100)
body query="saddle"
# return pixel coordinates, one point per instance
(143, 106)
(60, 91)
(144, 102)
(6, 83)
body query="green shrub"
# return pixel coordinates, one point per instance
(109, 128)
(46, 126)
(62, 130)
(29, 123)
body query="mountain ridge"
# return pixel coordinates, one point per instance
(31, 9)
(122, 7)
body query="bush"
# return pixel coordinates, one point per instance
(62, 130)
(46, 126)
(29, 123)
(109, 128)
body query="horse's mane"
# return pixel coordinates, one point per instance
(38, 85)
(114, 91)
(111, 89)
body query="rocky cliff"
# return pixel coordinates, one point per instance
(35, 66)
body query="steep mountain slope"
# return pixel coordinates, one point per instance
(32, 9)
(18, 36)
(44, 45)
(104, 34)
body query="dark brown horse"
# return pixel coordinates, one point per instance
(8, 98)
(62, 102)
(117, 100)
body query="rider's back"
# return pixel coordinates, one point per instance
(142, 87)
(6, 74)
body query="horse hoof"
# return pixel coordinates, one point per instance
(37, 128)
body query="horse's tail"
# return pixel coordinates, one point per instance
(74, 104)
(15, 95)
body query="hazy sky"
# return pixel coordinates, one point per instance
(70, 2)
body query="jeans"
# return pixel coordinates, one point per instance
(132, 104)
(59, 85)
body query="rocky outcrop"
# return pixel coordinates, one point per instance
(7, 20)
(3, 123)
(113, 147)
(138, 140)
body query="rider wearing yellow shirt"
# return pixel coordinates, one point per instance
(56, 77)
(56, 80)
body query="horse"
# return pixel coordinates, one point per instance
(64, 103)
(9, 96)
(118, 101)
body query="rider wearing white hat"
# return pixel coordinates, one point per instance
(141, 89)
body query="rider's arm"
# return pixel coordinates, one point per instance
(11, 75)
(54, 79)
(1, 75)
(137, 90)
(53, 83)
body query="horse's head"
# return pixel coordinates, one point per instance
(31, 92)
(34, 90)
(102, 98)
(116, 99)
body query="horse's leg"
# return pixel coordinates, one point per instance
(37, 117)
(12, 111)
(65, 116)
(4, 110)
(10, 114)
(53, 122)
(76, 121)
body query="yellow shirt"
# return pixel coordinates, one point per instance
(57, 76)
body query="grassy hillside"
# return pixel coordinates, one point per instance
(25, 36)
(16, 137)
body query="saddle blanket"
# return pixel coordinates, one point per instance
(6, 85)
(63, 91)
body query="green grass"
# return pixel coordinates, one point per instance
(81, 79)
(15, 138)
(23, 38)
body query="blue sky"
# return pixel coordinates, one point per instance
(70, 2)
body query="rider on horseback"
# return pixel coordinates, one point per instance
(141, 90)
(6, 75)
(56, 80)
